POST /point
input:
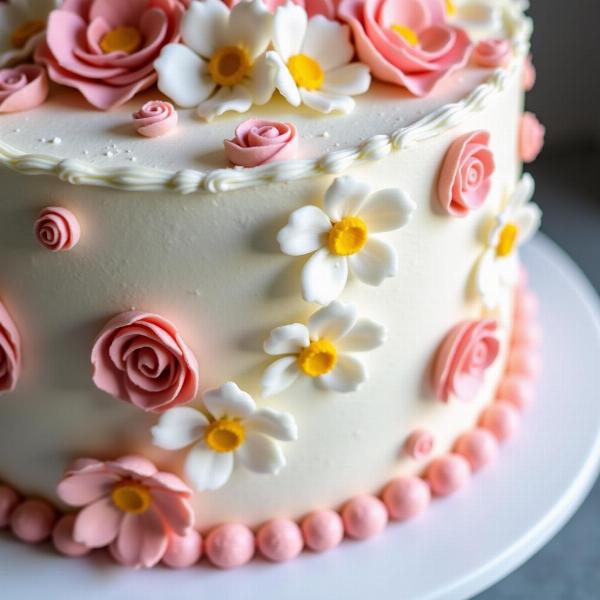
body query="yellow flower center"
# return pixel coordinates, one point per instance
(131, 497)
(450, 8)
(306, 71)
(224, 435)
(121, 39)
(508, 240)
(317, 359)
(348, 236)
(22, 34)
(409, 35)
(229, 65)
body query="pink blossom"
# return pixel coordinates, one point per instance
(531, 139)
(22, 88)
(10, 352)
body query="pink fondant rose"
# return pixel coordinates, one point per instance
(529, 74)
(155, 118)
(129, 505)
(463, 358)
(10, 352)
(106, 48)
(312, 7)
(22, 88)
(531, 137)
(257, 142)
(492, 53)
(141, 358)
(406, 42)
(57, 229)
(465, 178)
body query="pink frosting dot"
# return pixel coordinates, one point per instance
(527, 305)
(406, 497)
(419, 444)
(62, 537)
(183, 551)
(155, 118)
(517, 390)
(525, 361)
(448, 474)
(527, 333)
(479, 447)
(364, 517)
(502, 419)
(279, 540)
(9, 499)
(229, 545)
(323, 530)
(32, 521)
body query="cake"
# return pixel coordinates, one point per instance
(259, 273)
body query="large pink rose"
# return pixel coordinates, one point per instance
(406, 42)
(141, 358)
(468, 350)
(466, 176)
(106, 48)
(10, 352)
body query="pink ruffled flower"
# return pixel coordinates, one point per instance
(468, 350)
(106, 48)
(492, 53)
(10, 352)
(312, 7)
(155, 118)
(129, 505)
(57, 229)
(406, 42)
(466, 176)
(529, 74)
(531, 139)
(22, 88)
(141, 358)
(258, 142)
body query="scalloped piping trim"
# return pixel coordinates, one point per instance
(188, 181)
(530, 348)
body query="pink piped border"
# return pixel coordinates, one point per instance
(233, 544)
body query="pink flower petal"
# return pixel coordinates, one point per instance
(142, 540)
(176, 511)
(97, 525)
(137, 466)
(84, 488)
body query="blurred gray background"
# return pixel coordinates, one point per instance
(566, 99)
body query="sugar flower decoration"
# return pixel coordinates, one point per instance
(476, 16)
(57, 229)
(22, 88)
(340, 236)
(129, 505)
(221, 65)
(322, 350)
(22, 26)
(10, 352)
(516, 224)
(156, 118)
(492, 53)
(531, 137)
(312, 7)
(231, 429)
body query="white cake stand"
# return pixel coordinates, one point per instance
(460, 546)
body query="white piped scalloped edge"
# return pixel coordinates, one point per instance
(188, 181)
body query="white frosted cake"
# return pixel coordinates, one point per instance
(280, 304)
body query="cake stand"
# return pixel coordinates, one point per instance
(460, 546)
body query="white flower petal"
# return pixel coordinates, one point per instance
(324, 277)
(346, 377)
(261, 454)
(365, 335)
(387, 210)
(208, 470)
(204, 25)
(487, 279)
(262, 81)
(288, 339)
(349, 80)
(183, 76)
(289, 29)
(250, 25)
(508, 269)
(229, 400)
(304, 232)
(376, 261)
(275, 424)
(328, 42)
(523, 192)
(345, 198)
(325, 102)
(237, 99)
(332, 322)
(284, 81)
(178, 428)
(528, 219)
(279, 375)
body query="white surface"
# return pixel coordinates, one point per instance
(461, 545)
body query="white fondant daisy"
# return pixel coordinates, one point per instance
(221, 64)
(22, 26)
(322, 350)
(234, 430)
(341, 237)
(312, 61)
(516, 224)
(475, 16)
